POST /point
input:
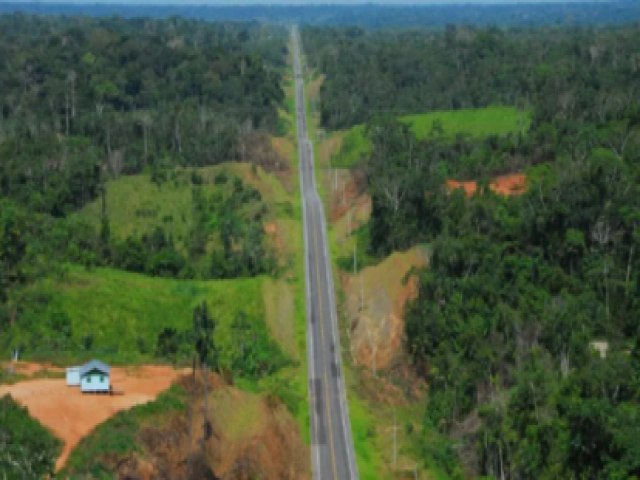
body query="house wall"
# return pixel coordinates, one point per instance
(73, 376)
(94, 382)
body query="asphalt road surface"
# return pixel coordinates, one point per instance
(332, 454)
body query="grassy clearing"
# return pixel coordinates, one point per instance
(123, 313)
(279, 308)
(479, 123)
(355, 146)
(237, 414)
(363, 427)
(373, 425)
(136, 205)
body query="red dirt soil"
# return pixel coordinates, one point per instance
(350, 192)
(511, 184)
(350, 206)
(70, 415)
(377, 326)
(29, 369)
(251, 436)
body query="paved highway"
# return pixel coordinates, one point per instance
(332, 453)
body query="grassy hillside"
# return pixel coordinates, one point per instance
(119, 315)
(480, 123)
(136, 204)
(355, 146)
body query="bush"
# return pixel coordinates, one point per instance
(27, 449)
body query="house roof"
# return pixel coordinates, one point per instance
(94, 365)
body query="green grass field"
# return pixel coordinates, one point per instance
(136, 205)
(124, 312)
(479, 123)
(363, 428)
(355, 146)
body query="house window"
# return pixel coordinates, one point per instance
(101, 378)
(88, 378)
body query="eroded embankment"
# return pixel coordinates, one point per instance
(375, 301)
(243, 436)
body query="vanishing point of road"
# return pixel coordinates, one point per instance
(332, 454)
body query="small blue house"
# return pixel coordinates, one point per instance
(94, 377)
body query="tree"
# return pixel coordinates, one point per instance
(204, 328)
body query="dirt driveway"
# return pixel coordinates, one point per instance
(71, 415)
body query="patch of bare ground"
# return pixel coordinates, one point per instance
(31, 369)
(244, 436)
(374, 300)
(258, 148)
(396, 386)
(507, 185)
(71, 415)
(349, 203)
(357, 215)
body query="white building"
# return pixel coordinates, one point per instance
(73, 376)
(94, 377)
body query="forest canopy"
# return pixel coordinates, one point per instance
(85, 99)
(525, 326)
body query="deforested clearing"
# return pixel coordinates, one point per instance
(71, 415)
(510, 184)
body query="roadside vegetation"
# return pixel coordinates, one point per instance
(27, 449)
(524, 324)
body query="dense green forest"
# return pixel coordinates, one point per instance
(85, 100)
(526, 323)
